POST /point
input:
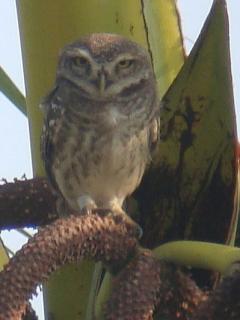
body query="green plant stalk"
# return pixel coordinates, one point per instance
(103, 295)
(233, 235)
(11, 91)
(211, 256)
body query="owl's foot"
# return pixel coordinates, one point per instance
(120, 216)
(86, 205)
(123, 214)
(87, 210)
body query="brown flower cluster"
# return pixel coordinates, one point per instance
(26, 203)
(65, 241)
(144, 288)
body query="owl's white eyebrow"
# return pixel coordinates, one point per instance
(79, 52)
(124, 56)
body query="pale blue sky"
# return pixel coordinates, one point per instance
(14, 142)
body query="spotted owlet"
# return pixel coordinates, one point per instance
(100, 122)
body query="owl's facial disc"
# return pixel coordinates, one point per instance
(98, 79)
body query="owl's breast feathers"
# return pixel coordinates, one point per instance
(101, 153)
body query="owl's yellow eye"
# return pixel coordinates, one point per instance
(80, 61)
(125, 63)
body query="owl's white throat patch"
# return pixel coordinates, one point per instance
(114, 117)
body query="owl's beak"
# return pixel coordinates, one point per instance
(102, 80)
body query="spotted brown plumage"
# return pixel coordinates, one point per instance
(100, 121)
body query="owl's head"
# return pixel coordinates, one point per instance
(104, 65)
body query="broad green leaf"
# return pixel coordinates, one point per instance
(190, 190)
(164, 40)
(10, 90)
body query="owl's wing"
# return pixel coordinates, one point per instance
(52, 114)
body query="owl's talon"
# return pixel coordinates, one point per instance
(86, 204)
(102, 211)
(120, 217)
(86, 211)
